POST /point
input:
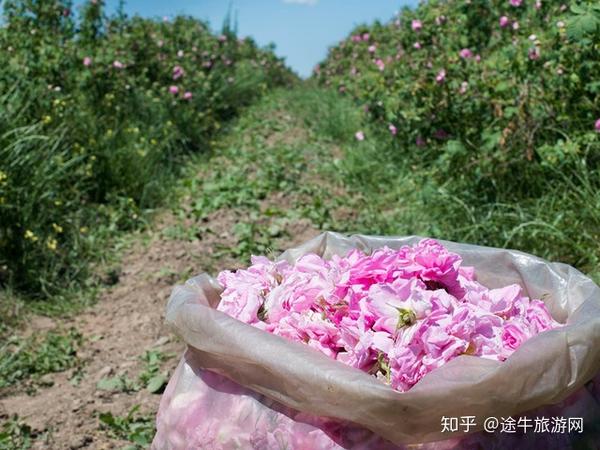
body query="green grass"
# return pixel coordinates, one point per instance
(151, 378)
(28, 359)
(135, 428)
(300, 144)
(15, 435)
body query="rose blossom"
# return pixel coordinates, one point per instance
(398, 314)
(441, 76)
(465, 53)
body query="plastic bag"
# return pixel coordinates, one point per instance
(240, 387)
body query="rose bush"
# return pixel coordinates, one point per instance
(494, 95)
(95, 113)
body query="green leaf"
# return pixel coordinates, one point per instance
(156, 383)
(110, 384)
(589, 23)
(576, 9)
(502, 86)
(580, 25)
(107, 418)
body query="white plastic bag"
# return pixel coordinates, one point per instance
(240, 387)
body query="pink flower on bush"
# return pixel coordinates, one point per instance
(516, 2)
(463, 87)
(87, 61)
(477, 58)
(440, 20)
(372, 48)
(393, 129)
(360, 136)
(187, 95)
(365, 36)
(534, 53)
(416, 25)
(515, 25)
(118, 64)
(504, 21)
(441, 76)
(380, 64)
(417, 45)
(538, 5)
(441, 134)
(420, 141)
(597, 126)
(178, 72)
(465, 53)
(173, 90)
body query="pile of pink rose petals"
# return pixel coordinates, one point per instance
(396, 314)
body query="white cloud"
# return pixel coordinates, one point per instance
(302, 2)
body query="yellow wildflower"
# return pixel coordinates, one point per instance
(57, 228)
(46, 119)
(30, 235)
(3, 176)
(83, 230)
(52, 244)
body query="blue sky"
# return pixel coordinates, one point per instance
(302, 30)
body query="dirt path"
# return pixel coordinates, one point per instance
(127, 321)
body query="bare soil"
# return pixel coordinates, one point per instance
(126, 321)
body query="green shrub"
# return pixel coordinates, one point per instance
(503, 119)
(96, 114)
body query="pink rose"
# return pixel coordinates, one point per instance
(465, 53)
